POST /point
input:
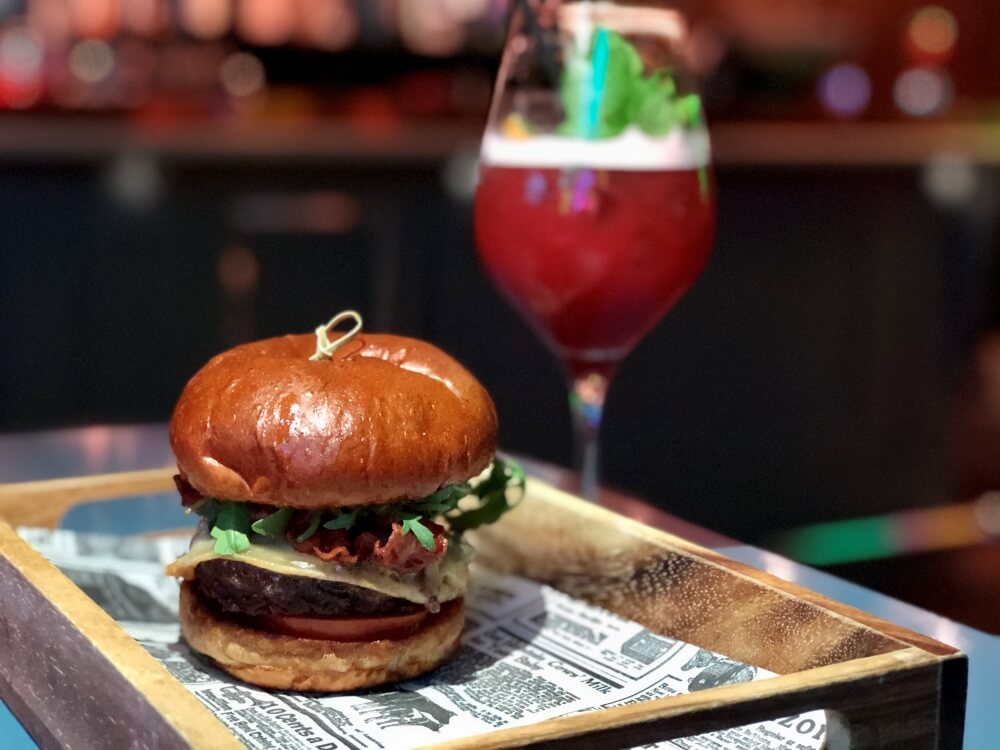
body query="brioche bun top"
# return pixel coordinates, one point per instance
(386, 418)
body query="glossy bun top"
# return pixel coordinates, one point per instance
(385, 418)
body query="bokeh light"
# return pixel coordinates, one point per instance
(328, 24)
(931, 35)
(704, 50)
(134, 181)
(845, 90)
(950, 180)
(987, 511)
(427, 28)
(92, 60)
(923, 92)
(461, 173)
(205, 19)
(315, 212)
(98, 19)
(238, 270)
(466, 11)
(242, 74)
(266, 22)
(21, 56)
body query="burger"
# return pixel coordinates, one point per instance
(334, 484)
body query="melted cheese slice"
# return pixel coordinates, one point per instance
(443, 580)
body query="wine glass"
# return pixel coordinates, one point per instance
(594, 211)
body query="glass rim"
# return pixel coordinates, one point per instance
(625, 19)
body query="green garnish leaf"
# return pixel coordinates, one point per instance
(604, 90)
(275, 524)
(616, 92)
(489, 511)
(424, 535)
(492, 492)
(690, 106)
(442, 501)
(311, 528)
(654, 106)
(343, 520)
(207, 508)
(229, 541)
(231, 529)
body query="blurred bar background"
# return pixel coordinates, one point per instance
(179, 176)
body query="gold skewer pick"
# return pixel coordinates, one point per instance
(325, 347)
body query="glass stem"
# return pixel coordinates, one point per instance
(586, 402)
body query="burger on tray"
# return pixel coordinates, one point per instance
(335, 481)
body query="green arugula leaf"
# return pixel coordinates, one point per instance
(231, 529)
(207, 508)
(311, 528)
(343, 520)
(604, 90)
(492, 492)
(275, 524)
(229, 541)
(424, 535)
(493, 506)
(516, 475)
(442, 501)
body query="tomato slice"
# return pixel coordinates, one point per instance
(344, 628)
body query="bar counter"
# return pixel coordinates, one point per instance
(103, 449)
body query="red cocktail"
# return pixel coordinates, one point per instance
(593, 257)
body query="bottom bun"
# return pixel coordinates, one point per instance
(285, 662)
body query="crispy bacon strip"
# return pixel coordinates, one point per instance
(329, 545)
(404, 553)
(388, 546)
(189, 495)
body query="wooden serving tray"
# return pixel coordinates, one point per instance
(73, 677)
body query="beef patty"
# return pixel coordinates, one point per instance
(239, 588)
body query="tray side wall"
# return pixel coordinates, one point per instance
(81, 679)
(63, 680)
(680, 590)
(877, 703)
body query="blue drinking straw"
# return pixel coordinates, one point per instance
(599, 63)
